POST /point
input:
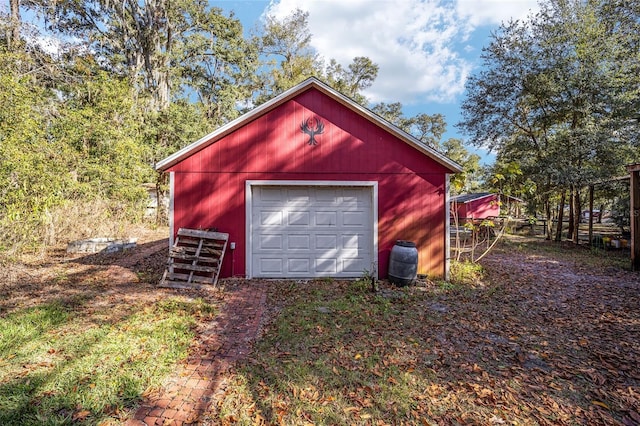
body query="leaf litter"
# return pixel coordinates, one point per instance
(547, 338)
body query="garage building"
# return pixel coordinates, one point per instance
(311, 184)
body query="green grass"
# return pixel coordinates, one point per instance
(63, 364)
(341, 357)
(465, 272)
(588, 256)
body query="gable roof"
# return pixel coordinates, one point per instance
(467, 198)
(308, 84)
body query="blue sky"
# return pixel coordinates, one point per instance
(426, 49)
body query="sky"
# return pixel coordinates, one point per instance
(425, 49)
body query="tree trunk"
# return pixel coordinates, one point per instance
(548, 222)
(563, 197)
(571, 213)
(591, 190)
(576, 214)
(601, 213)
(13, 33)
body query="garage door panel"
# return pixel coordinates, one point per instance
(268, 218)
(299, 242)
(271, 242)
(326, 266)
(326, 242)
(271, 266)
(326, 218)
(356, 218)
(354, 242)
(313, 231)
(350, 201)
(299, 265)
(356, 196)
(298, 196)
(299, 218)
(327, 196)
(272, 194)
(355, 265)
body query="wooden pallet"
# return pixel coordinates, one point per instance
(195, 259)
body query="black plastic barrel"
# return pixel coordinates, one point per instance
(403, 263)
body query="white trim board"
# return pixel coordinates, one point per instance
(172, 188)
(447, 227)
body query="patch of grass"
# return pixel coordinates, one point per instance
(345, 356)
(584, 255)
(197, 307)
(446, 285)
(60, 364)
(466, 273)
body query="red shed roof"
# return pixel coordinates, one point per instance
(467, 198)
(311, 83)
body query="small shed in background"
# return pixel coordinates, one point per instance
(484, 205)
(476, 206)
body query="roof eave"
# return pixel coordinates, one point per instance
(479, 197)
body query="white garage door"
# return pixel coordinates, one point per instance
(311, 231)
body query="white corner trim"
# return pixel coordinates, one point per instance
(249, 184)
(172, 185)
(447, 228)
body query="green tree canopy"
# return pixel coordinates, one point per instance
(558, 94)
(128, 83)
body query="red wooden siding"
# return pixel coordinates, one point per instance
(481, 208)
(209, 186)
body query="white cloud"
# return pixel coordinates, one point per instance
(419, 45)
(49, 44)
(494, 12)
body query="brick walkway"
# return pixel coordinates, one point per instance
(191, 390)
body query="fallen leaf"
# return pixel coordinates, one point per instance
(80, 415)
(258, 420)
(600, 404)
(495, 420)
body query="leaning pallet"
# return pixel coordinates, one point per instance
(195, 259)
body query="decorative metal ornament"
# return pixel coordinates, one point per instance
(312, 126)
